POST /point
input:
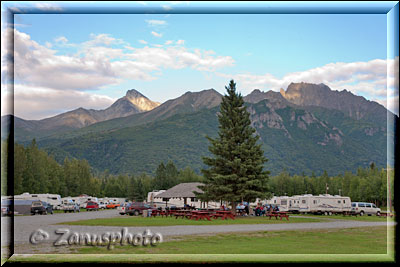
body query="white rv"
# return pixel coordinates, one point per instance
(285, 203)
(324, 204)
(52, 199)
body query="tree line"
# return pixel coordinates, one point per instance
(37, 172)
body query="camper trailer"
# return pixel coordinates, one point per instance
(324, 204)
(285, 203)
(52, 199)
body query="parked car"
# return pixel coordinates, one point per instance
(136, 208)
(70, 207)
(91, 205)
(41, 207)
(365, 208)
(122, 209)
(113, 205)
(5, 207)
(102, 205)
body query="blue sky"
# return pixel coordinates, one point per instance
(96, 58)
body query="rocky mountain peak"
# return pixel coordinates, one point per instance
(138, 101)
(256, 96)
(132, 93)
(308, 94)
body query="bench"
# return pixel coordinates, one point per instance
(278, 214)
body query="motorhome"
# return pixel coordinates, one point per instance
(52, 199)
(324, 204)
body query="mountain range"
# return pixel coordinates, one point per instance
(307, 128)
(132, 103)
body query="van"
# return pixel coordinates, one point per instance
(365, 208)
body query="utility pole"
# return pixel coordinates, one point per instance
(326, 190)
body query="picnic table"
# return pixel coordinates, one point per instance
(182, 213)
(224, 214)
(155, 212)
(199, 215)
(276, 214)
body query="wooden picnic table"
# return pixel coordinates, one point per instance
(224, 214)
(199, 215)
(276, 214)
(155, 212)
(183, 214)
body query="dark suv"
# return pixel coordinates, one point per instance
(41, 207)
(136, 208)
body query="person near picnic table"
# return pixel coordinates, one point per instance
(260, 210)
(276, 209)
(246, 209)
(270, 209)
(241, 208)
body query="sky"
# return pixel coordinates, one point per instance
(66, 61)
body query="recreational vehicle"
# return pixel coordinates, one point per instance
(52, 199)
(324, 204)
(285, 203)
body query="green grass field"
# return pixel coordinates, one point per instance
(366, 244)
(364, 218)
(127, 221)
(366, 240)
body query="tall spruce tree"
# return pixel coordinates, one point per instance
(235, 172)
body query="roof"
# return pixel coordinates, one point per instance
(181, 190)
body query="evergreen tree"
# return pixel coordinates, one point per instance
(236, 171)
(161, 177)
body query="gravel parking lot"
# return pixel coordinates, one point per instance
(24, 226)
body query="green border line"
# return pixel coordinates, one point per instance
(125, 258)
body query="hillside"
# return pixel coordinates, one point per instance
(293, 138)
(300, 131)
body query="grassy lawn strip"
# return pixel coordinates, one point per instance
(366, 240)
(169, 221)
(364, 218)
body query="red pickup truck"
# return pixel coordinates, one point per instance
(92, 206)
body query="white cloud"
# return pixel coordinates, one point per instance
(180, 42)
(38, 102)
(153, 22)
(169, 42)
(155, 34)
(369, 79)
(142, 42)
(98, 64)
(61, 39)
